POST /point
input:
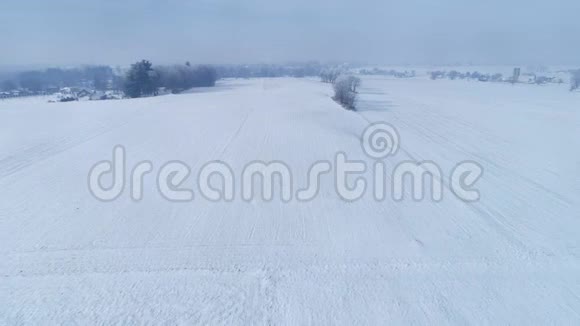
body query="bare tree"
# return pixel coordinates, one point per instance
(354, 83)
(329, 75)
(344, 94)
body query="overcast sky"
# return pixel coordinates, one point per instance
(253, 31)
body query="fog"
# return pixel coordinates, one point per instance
(267, 31)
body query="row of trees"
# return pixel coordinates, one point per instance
(8, 85)
(140, 80)
(309, 69)
(97, 77)
(453, 75)
(497, 77)
(179, 78)
(144, 80)
(392, 72)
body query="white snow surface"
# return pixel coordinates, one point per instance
(511, 258)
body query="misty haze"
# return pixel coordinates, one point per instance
(221, 162)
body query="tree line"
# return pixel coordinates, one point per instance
(96, 77)
(298, 70)
(141, 79)
(144, 80)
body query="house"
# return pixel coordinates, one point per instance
(83, 93)
(66, 91)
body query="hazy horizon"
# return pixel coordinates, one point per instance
(66, 32)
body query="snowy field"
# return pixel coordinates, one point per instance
(511, 258)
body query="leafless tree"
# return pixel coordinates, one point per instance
(344, 94)
(354, 83)
(329, 75)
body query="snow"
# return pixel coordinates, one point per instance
(511, 258)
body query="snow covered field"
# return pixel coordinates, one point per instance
(511, 258)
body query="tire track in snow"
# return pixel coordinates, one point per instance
(235, 134)
(38, 153)
(506, 171)
(490, 219)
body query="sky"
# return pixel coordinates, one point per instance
(270, 31)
